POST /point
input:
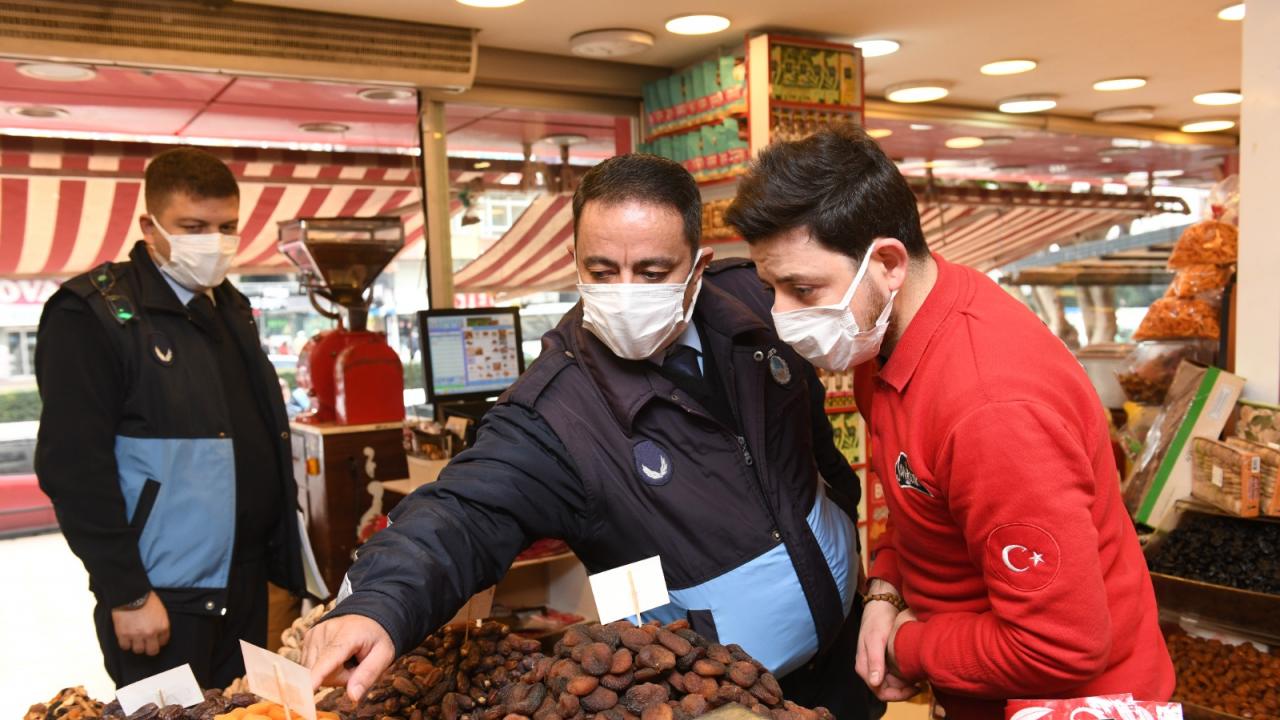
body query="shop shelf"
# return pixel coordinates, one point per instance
(683, 126)
(797, 105)
(1248, 613)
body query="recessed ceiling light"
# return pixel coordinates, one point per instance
(1234, 13)
(482, 165)
(1214, 125)
(39, 112)
(697, 24)
(490, 3)
(1114, 151)
(878, 133)
(1133, 113)
(1131, 143)
(57, 72)
(1057, 168)
(1169, 173)
(386, 94)
(920, 127)
(917, 92)
(1108, 160)
(1008, 67)
(1220, 97)
(1120, 83)
(1028, 104)
(1000, 140)
(964, 142)
(877, 47)
(610, 43)
(324, 127)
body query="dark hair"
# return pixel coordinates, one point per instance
(839, 184)
(189, 170)
(646, 178)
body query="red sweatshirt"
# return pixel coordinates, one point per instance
(1008, 537)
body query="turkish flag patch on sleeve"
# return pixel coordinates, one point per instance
(1024, 556)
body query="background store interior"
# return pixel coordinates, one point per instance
(74, 138)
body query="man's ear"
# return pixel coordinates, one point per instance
(895, 259)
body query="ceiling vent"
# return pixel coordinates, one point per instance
(241, 38)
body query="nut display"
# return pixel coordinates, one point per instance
(215, 705)
(1238, 680)
(1244, 554)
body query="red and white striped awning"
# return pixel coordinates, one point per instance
(533, 255)
(981, 229)
(66, 206)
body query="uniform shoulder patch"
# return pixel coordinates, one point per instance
(653, 464)
(1024, 556)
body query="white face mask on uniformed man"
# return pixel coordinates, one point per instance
(198, 262)
(635, 320)
(828, 335)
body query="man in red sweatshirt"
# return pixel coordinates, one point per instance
(1008, 541)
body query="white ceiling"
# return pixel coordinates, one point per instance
(1180, 45)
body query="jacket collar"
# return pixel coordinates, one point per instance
(627, 385)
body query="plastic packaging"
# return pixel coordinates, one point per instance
(1206, 243)
(1202, 282)
(1148, 371)
(1224, 200)
(1169, 318)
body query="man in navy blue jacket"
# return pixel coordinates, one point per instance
(664, 417)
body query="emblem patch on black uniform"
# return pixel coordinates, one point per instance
(161, 348)
(779, 368)
(906, 478)
(653, 464)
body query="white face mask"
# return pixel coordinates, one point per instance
(828, 335)
(198, 262)
(635, 320)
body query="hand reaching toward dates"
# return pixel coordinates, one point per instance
(143, 631)
(328, 646)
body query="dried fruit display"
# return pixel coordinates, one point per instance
(1238, 680)
(1243, 554)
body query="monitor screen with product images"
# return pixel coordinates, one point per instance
(470, 354)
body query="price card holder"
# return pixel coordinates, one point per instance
(279, 680)
(479, 607)
(629, 590)
(171, 687)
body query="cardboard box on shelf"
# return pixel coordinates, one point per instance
(1198, 405)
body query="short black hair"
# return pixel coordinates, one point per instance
(645, 178)
(839, 184)
(189, 170)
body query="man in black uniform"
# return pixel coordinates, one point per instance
(664, 417)
(163, 439)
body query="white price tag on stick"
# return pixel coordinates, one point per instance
(274, 678)
(479, 607)
(171, 687)
(629, 590)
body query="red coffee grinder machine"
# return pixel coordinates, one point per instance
(351, 375)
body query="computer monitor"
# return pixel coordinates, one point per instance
(470, 354)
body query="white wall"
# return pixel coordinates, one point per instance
(1258, 303)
